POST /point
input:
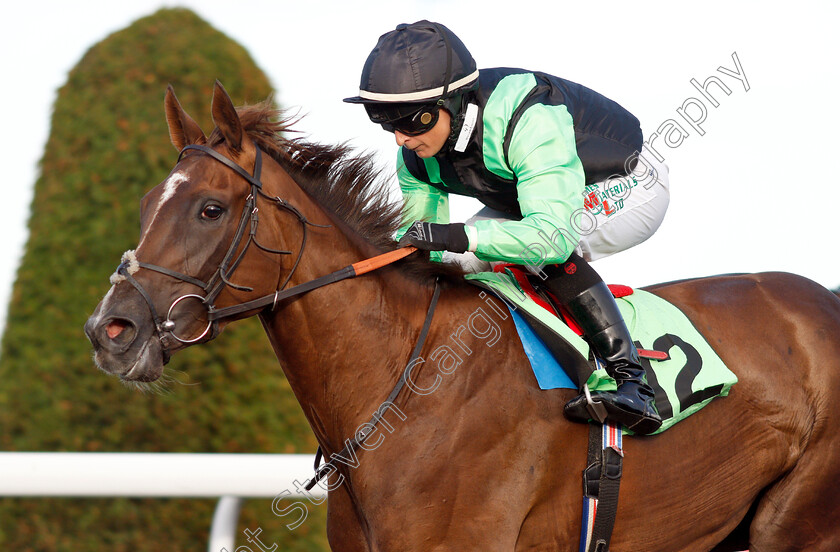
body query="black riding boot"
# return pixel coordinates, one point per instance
(597, 314)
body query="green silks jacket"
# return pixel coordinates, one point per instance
(537, 141)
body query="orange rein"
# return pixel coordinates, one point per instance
(349, 271)
(379, 261)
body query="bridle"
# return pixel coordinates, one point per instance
(221, 278)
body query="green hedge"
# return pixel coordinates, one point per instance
(107, 147)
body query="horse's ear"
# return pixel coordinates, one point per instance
(226, 118)
(183, 130)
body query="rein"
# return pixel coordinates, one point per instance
(221, 277)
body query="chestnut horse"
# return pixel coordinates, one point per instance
(473, 456)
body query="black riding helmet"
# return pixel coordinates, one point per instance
(412, 72)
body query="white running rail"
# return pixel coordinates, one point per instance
(231, 477)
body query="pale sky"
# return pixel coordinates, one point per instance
(749, 194)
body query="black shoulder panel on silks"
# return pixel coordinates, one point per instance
(608, 137)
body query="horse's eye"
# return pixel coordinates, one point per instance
(212, 212)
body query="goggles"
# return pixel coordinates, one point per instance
(406, 118)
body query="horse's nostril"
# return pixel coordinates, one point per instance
(118, 334)
(115, 328)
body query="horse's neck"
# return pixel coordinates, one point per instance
(343, 346)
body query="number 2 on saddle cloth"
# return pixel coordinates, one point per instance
(684, 387)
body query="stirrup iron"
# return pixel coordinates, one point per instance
(596, 409)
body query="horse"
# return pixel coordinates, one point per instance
(474, 456)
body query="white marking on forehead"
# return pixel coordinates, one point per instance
(170, 186)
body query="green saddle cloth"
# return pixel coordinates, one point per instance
(688, 380)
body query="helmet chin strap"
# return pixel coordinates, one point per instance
(455, 128)
(448, 77)
(454, 105)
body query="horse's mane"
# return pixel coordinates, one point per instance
(348, 184)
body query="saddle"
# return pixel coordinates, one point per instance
(683, 369)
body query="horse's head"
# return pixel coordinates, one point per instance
(195, 252)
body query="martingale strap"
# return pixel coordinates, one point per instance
(601, 480)
(353, 444)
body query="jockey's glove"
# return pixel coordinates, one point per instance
(436, 237)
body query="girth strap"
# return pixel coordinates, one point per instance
(601, 480)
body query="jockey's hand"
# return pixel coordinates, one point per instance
(436, 237)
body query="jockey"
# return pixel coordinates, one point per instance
(557, 166)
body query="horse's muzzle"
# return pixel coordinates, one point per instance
(125, 344)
